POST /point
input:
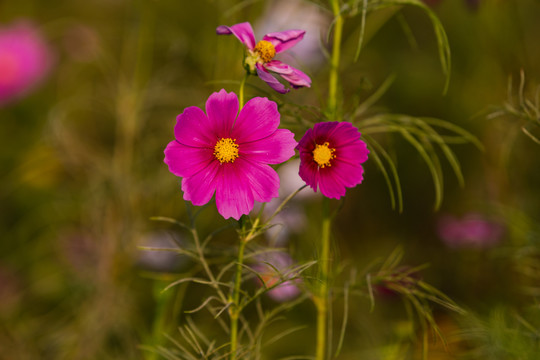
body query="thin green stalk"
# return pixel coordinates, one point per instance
(235, 308)
(241, 91)
(334, 61)
(323, 295)
(159, 326)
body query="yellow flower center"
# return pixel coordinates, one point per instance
(226, 150)
(265, 50)
(322, 154)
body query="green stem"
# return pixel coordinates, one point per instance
(235, 308)
(334, 61)
(241, 91)
(323, 295)
(159, 326)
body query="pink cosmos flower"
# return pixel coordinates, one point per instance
(331, 157)
(260, 56)
(227, 153)
(25, 60)
(282, 262)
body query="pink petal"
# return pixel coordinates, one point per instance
(262, 179)
(329, 184)
(258, 119)
(200, 187)
(354, 153)
(307, 143)
(297, 79)
(270, 80)
(242, 31)
(279, 67)
(191, 128)
(349, 175)
(274, 149)
(234, 196)
(186, 161)
(222, 109)
(323, 132)
(309, 171)
(345, 133)
(285, 292)
(285, 39)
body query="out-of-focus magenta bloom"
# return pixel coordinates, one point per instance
(473, 230)
(281, 261)
(227, 153)
(331, 157)
(25, 60)
(260, 56)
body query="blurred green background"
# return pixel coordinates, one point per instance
(82, 171)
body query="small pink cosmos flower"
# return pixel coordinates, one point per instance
(331, 157)
(282, 262)
(260, 56)
(227, 153)
(25, 60)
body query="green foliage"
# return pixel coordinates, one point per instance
(364, 7)
(417, 295)
(217, 275)
(522, 108)
(505, 334)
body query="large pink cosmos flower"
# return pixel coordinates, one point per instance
(260, 56)
(228, 153)
(331, 157)
(25, 60)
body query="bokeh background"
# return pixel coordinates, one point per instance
(82, 173)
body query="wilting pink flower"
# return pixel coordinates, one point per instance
(282, 262)
(260, 56)
(25, 60)
(228, 153)
(331, 157)
(473, 230)
(298, 14)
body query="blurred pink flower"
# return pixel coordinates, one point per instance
(282, 262)
(260, 56)
(25, 60)
(331, 156)
(228, 153)
(391, 285)
(157, 252)
(473, 230)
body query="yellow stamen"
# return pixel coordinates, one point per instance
(265, 50)
(226, 150)
(322, 154)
